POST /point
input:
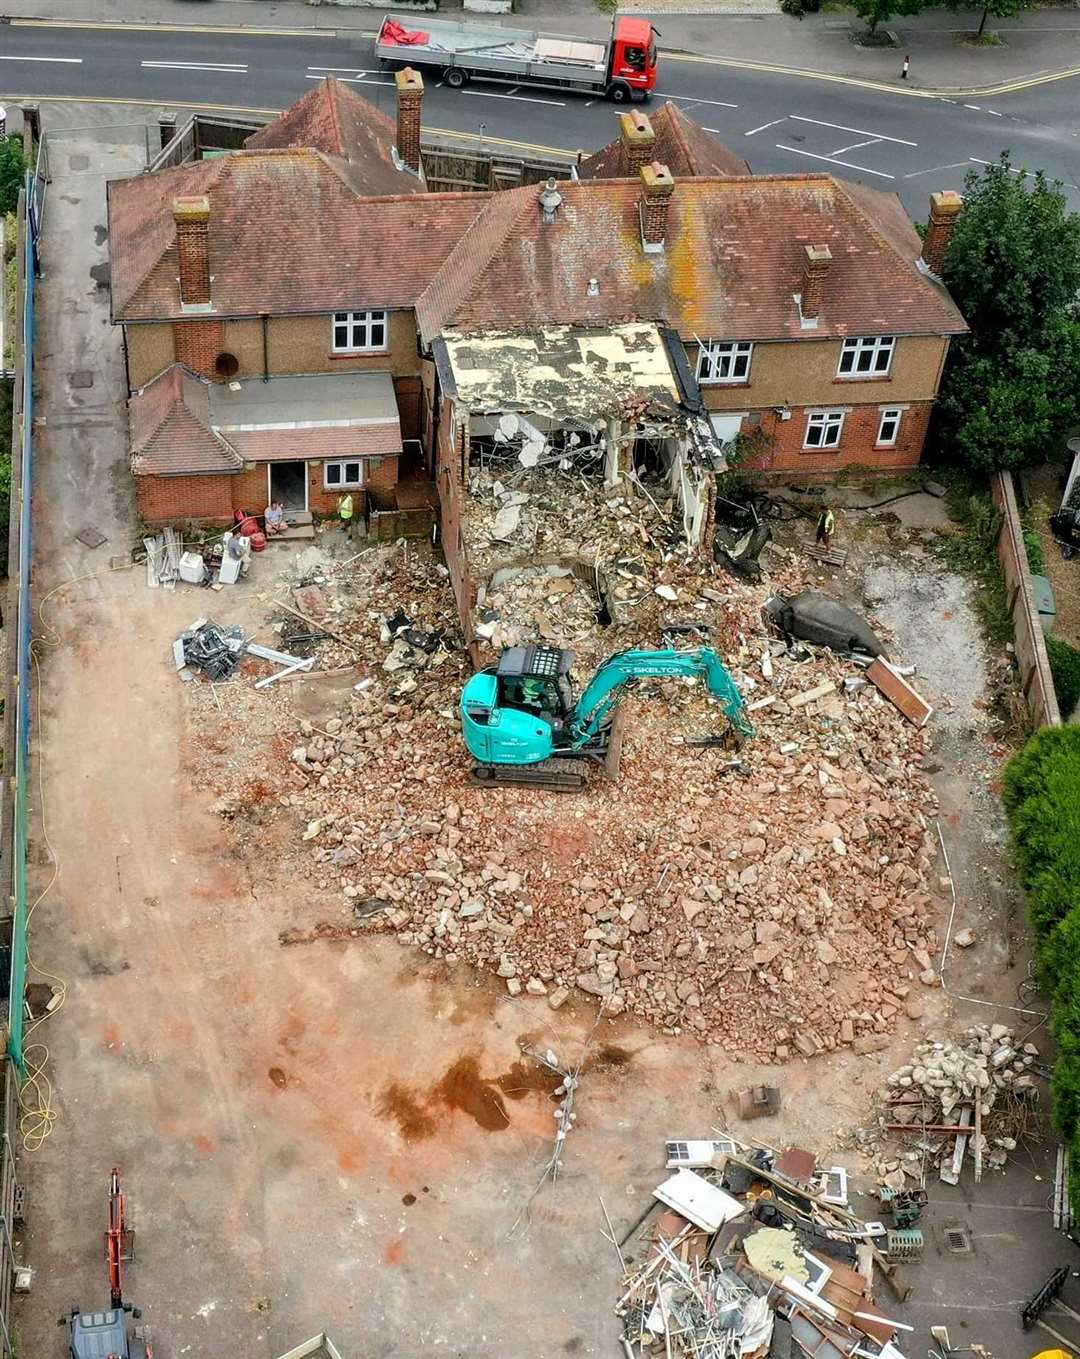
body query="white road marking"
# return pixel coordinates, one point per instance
(995, 113)
(356, 70)
(216, 67)
(841, 127)
(690, 99)
(829, 161)
(521, 98)
(764, 126)
(74, 61)
(361, 79)
(935, 169)
(972, 106)
(854, 146)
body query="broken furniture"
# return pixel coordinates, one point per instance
(757, 1101)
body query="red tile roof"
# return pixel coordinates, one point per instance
(732, 262)
(342, 441)
(169, 422)
(681, 144)
(288, 235)
(334, 119)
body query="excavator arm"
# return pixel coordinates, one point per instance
(604, 690)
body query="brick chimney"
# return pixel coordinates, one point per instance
(944, 210)
(815, 271)
(410, 93)
(637, 138)
(192, 217)
(657, 186)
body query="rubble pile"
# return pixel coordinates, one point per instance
(784, 912)
(753, 1256)
(522, 604)
(985, 1082)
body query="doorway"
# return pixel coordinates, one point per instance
(288, 483)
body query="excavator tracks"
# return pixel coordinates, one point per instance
(558, 776)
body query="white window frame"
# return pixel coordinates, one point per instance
(343, 485)
(827, 422)
(716, 355)
(893, 415)
(359, 326)
(873, 351)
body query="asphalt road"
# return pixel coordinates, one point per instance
(780, 123)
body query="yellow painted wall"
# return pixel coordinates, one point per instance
(803, 373)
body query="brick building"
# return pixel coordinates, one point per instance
(296, 314)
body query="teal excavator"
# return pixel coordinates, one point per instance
(522, 724)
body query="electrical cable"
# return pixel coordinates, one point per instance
(37, 1113)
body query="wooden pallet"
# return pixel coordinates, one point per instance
(830, 556)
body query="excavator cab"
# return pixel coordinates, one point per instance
(536, 679)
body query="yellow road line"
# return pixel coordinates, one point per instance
(689, 58)
(978, 91)
(243, 108)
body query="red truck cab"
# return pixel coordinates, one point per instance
(633, 55)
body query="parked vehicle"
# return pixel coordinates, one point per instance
(1065, 521)
(622, 67)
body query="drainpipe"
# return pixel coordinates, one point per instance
(266, 345)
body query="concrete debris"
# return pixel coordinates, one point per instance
(648, 899)
(977, 1089)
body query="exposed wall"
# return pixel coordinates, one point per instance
(857, 443)
(451, 458)
(1030, 645)
(294, 344)
(803, 373)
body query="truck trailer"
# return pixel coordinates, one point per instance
(622, 67)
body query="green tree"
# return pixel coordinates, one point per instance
(876, 12)
(1012, 386)
(999, 9)
(12, 172)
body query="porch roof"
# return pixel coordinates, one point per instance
(182, 425)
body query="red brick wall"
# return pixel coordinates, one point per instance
(857, 442)
(198, 343)
(172, 500)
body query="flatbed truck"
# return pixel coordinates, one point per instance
(621, 67)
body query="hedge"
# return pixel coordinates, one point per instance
(1065, 668)
(1041, 792)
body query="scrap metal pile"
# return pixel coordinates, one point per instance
(975, 1094)
(758, 1253)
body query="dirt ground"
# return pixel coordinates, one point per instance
(344, 1136)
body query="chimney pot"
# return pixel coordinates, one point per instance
(410, 93)
(945, 207)
(550, 200)
(192, 217)
(637, 139)
(815, 270)
(657, 187)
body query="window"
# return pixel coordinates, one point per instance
(355, 332)
(823, 429)
(338, 475)
(720, 361)
(867, 356)
(889, 427)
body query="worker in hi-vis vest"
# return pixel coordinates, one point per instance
(345, 512)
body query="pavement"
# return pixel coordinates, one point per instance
(1043, 44)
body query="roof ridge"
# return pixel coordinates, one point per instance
(675, 126)
(457, 277)
(332, 86)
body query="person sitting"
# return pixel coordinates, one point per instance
(274, 518)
